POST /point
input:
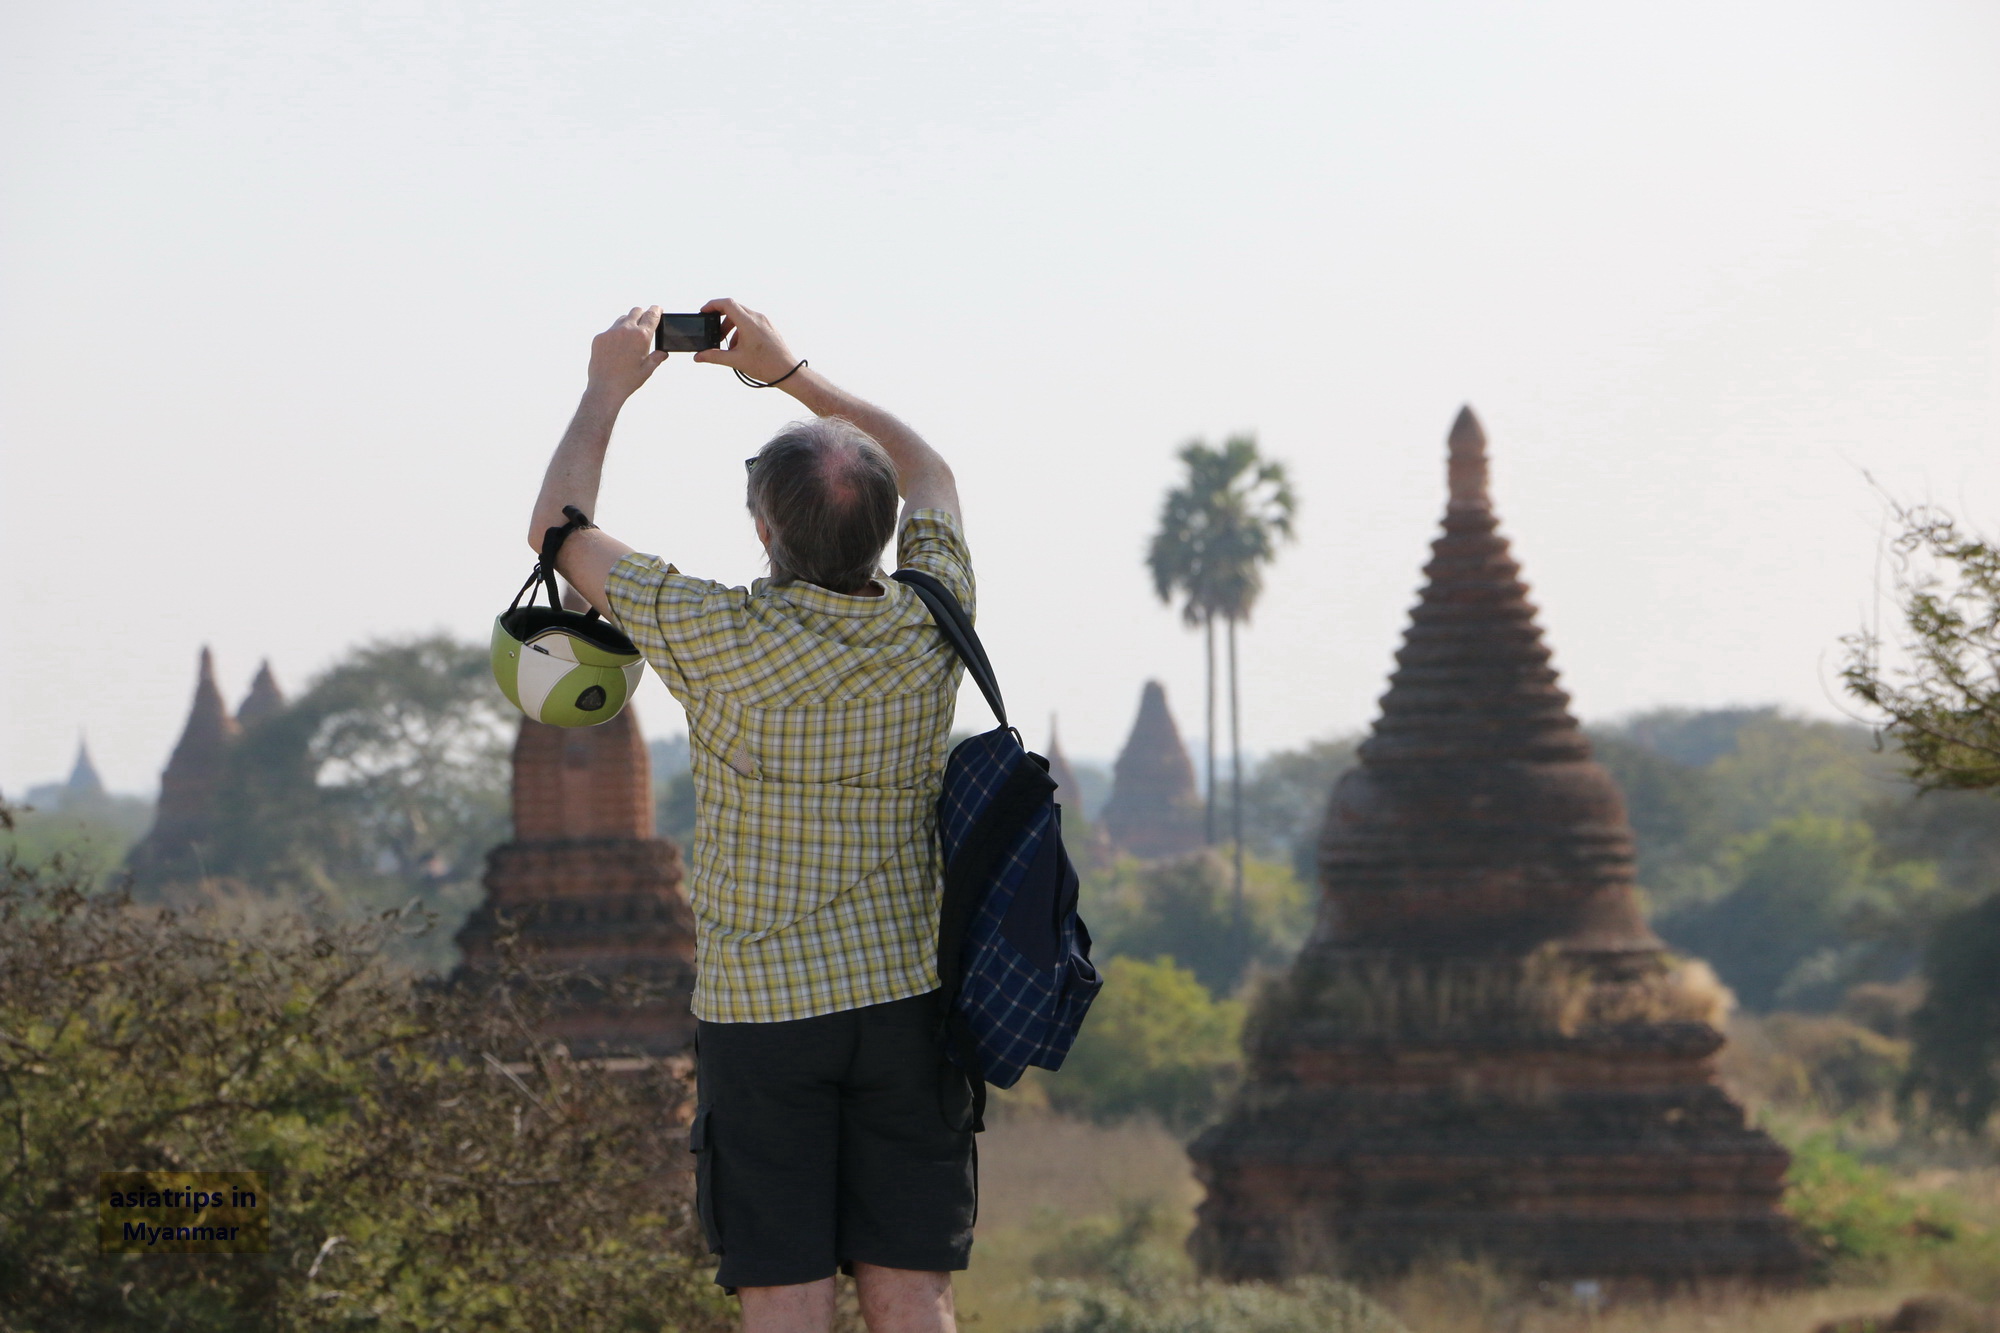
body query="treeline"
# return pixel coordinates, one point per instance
(1792, 854)
(382, 786)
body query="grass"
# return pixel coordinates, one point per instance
(1065, 1201)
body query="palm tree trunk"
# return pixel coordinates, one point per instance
(1208, 732)
(1236, 770)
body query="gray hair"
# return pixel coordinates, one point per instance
(827, 492)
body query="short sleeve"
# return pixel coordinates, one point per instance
(931, 541)
(667, 615)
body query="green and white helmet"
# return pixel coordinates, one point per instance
(565, 668)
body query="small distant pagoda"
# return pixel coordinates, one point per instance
(264, 700)
(1482, 1048)
(586, 888)
(1154, 810)
(84, 784)
(190, 787)
(174, 849)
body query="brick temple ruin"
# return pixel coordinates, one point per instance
(585, 887)
(1155, 810)
(191, 785)
(1483, 1048)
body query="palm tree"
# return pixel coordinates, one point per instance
(1217, 532)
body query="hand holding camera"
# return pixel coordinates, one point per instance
(622, 358)
(754, 348)
(721, 332)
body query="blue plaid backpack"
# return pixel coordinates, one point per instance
(1013, 956)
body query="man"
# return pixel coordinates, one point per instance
(818, 704)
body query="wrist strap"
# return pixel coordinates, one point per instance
(552, 544)
(771, 384)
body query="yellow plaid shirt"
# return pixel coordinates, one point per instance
(818, 724)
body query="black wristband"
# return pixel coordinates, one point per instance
(771, 384)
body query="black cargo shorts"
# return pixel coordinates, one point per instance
(825, 1142)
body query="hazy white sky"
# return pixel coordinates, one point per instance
(294, 300)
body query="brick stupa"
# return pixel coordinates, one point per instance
(1482, 1048)
(84, 784)
(1154, 810)
(589, 890)
(184, 821)
(264, 700)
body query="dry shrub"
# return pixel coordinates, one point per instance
(432, 1162)
(1821, 1063)
(1548, 994)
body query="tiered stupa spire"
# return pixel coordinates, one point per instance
(1482, 1048)
(190, 787)
(1477, 819)
(264, 700)
(1154, 810)
(84, 783)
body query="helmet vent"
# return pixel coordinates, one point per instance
(591, 699)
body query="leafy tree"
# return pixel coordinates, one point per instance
(1806, 911)
(1157, 1042)
(1218, 529)
(1693, 738)
(1677, 819)
(1284, 802)
(1187, 908)
(1782, 767)
(386, 781)
(431, 1161)
(1696, 781)
(1942, 710)
(1958, 830)
(1956, 1057)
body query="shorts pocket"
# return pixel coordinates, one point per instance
(701, 1142)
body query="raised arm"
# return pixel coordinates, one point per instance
(621, 360)
(752, 346)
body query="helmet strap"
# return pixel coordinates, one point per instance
(545, 568)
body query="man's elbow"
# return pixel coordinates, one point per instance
(935, 477)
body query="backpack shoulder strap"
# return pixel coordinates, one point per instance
(958, 631)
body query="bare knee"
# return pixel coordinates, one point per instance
(904, 1300)
(804, 1308)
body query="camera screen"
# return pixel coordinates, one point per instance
(684, 333)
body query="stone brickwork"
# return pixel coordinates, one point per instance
(1482, 1048)
(588, 889)
(1154, 810)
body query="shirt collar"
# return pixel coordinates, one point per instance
(812, 597)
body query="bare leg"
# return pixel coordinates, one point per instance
(804, 1308)
(903, 1300)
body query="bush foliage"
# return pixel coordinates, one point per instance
(1128, 1274)
(431, 1163)
(1854, 1219)
(1157, 1042)
(1186, 908)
